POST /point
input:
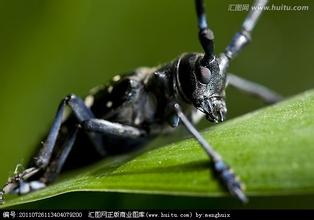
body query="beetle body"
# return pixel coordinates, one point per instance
(139, 99)
(136, 107)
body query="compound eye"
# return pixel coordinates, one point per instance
(204, 75)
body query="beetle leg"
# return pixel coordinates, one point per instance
(82, 113)
(55, 165)
(18, 184)
(252, 88)
(15, 184)
(23, 187)
(221, 169)
(98, 126)
(111, 128)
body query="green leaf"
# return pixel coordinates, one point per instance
(272, 150)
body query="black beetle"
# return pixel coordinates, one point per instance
(136, 107)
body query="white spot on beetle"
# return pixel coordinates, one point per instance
(137, 121)
(116, 78)
(89, 100)
(109, 104)
(110, 88)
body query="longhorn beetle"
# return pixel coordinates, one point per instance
(138, 106)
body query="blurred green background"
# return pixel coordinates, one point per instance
(50, 48)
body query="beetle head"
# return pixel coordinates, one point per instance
(203, 85)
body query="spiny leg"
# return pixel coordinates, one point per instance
(221, 169)
(252, 88)
(82, 113)
(113, 129)
(18, 184)
(55, 165)
(243, 37)
(42, 160)
(97, 126)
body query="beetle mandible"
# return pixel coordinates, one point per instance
(136, 107)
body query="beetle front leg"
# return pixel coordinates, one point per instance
(221, 169)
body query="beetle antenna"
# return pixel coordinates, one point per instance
(206, 36)
(243, 37)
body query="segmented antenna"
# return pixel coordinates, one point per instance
(256, 10)
(206, 36)
(242, 38)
